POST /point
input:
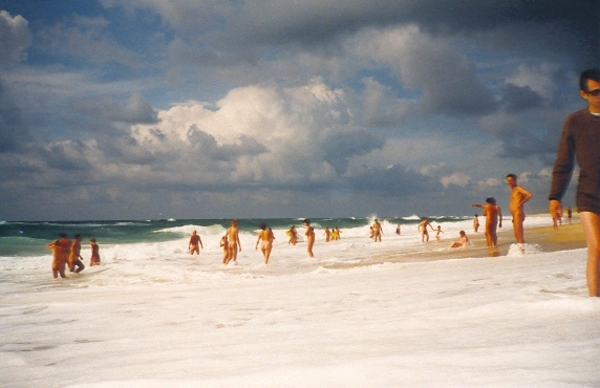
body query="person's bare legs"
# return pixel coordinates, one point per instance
(591, 229)
(518, 227)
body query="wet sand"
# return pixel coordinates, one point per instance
(547, 239)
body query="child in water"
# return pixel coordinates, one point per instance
(225, 245)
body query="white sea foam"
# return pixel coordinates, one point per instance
(152, 316)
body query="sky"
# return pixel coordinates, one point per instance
(147, 109)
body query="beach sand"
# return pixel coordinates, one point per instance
(543, 239)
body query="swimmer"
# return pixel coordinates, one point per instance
(75, 257)
(59, 258)
(95, 259)
(195, 243)
(310, 237)
(422, 228)
(233, 239)
(266, 235)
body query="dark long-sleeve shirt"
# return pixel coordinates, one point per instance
(580, 140)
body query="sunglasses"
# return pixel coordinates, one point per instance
(595, 92)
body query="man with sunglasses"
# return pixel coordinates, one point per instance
(580, 139)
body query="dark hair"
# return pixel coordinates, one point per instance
(262, 225)
(513, 176)
(491, 200)
(77, 235)
(593, 74)
(306, 221)
(63, 235)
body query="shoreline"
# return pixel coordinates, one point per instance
(545, 238)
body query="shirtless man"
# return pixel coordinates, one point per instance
(233, 239)
(60, 249)
(195, 243)
(310, 237)
(266, 235)
(423, 229)
(377, 230)
(518, 197)
(75, 256)
(493, 218)
(462, 243)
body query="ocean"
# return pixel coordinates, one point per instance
(30, 238)
(359, 314)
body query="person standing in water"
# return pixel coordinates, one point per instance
(225, 245)
(476, 223)
(377, 230)
(75, 256)
(195, 243)
(233, 238)
(60, 253)
(437, 233)
(310, 237)
(580, 140)
(266, 235)
(493, 218)
(518, 197)
(423, 229)
(95, 259)
(292, 233)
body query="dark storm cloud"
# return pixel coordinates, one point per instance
(13, 131)
(312, 23)
(135, 111)
(69, 156)
(396, 180)
(516, 99)
(341, 146)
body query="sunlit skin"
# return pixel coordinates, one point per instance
(310, 238)
(518, 197)
(423, 230)
(462, 242)
(377, 231)
(75, 256)
(493, 218)
(195, 243)
(233, 239)
(225, 245)
(266, 235)
(590, 221)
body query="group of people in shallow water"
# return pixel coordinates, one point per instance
(230, 241)
(67, 253)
